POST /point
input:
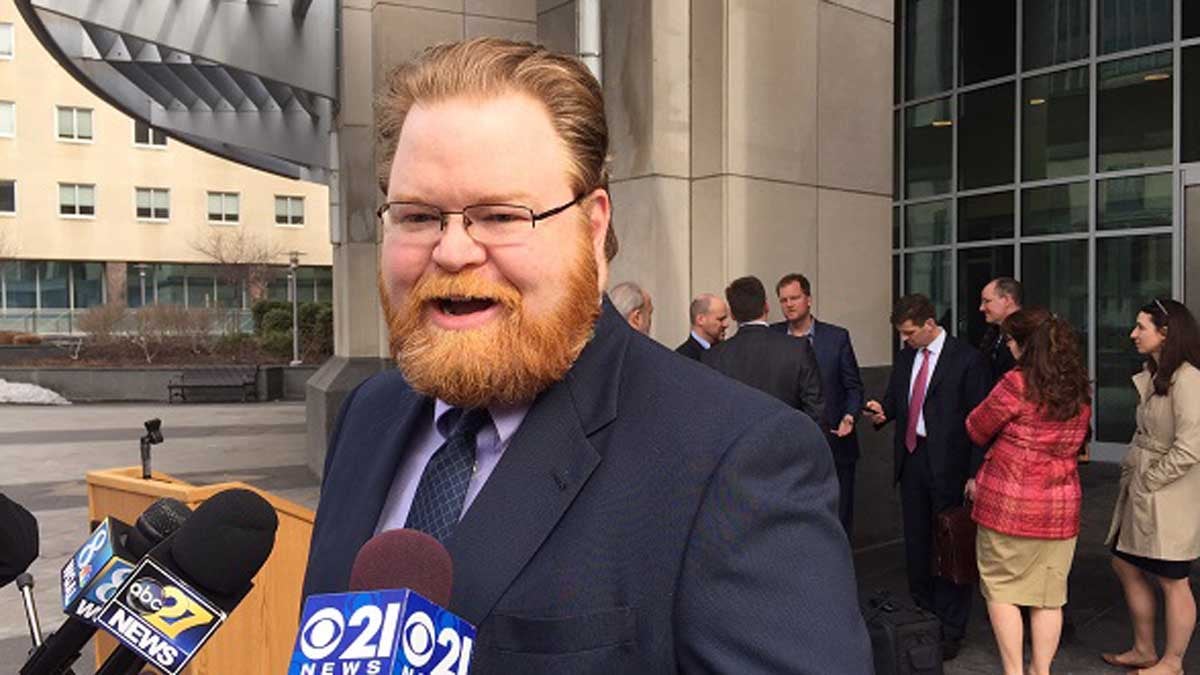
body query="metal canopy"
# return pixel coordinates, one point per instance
(254, 81)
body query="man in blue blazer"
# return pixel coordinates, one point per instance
(841, 383)
(609, 506)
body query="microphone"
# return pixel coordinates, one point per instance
(377, 629)
(18, 540)
(92, 575)
(181, 593)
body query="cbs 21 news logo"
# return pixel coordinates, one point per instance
(431, 640)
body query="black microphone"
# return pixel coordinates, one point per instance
(181, 594)
(93, 573)
(18, 540)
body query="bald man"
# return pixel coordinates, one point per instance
(710, 319)
(634, 304)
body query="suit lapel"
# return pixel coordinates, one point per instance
(368, 471)
(949, 353)
(546, 465)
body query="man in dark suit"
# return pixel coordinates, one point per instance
(710, 318)
(763, 358)
(999, 299)
(936, 382)
(608, 506)
(841, 383)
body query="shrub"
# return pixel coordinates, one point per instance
(6, 337)
(26, 339)
(102, 322)
(260, 309)
(276, 343)
(276, 321)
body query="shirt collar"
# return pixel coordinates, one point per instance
(505, 419)
(935, 347)
(703, 343)
(812, 330)
(754, 323)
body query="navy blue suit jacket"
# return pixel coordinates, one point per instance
(841, 382)
(649, 516)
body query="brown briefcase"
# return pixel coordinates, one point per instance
(954, 545)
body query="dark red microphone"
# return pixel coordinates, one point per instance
(404, 559)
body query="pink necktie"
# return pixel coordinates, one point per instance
(916, 402)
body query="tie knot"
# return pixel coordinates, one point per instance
(465, 423)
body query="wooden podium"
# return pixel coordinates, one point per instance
(259, 635)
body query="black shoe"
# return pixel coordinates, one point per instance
(950, 649)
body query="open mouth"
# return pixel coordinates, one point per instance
(457, 305)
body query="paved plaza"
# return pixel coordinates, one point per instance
(45, 451)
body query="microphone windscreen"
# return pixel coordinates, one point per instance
(157, 522)
(226, 541)
(404, 559)
(18, 539)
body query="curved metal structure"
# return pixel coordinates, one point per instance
(254, 81)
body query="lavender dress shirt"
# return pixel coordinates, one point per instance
(491, 443)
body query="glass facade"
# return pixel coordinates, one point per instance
(50, 285)
(1047, 140)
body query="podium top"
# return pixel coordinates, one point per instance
(129, 480)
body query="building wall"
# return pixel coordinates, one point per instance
(38, 161)
(747, 139)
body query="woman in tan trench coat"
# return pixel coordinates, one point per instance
(1155, 531)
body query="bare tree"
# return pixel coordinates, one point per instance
(240, 257)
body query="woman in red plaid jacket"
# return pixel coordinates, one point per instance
(1027, 493)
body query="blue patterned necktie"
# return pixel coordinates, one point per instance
(438, 503)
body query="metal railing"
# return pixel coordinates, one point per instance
(66, 321)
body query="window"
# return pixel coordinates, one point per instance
(289, 210)
(1191, 20)
(1056, 31)
(8, 119)
(223, 207)
(1054, 122)
(1190, 133)
(1134, 112)
(1135, 201)
(1130, 24)
(987, 40)
(74, 124)
(929, 34)
(928, 140)
(153, 203)
(931, 273)
(1057, 209)
(1129, 271)
(144, 134)
(6, 40)
(976, 267)
(927, 224)
(1054, 275)
(8, 197)
(986, 137)
(87, 280)
(985, 217)
(75, 200)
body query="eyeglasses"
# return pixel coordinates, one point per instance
(1160, 306)
(488, 224)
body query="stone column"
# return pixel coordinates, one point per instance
(376, 37)
(115, 289)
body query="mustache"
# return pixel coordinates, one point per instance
(434, 287)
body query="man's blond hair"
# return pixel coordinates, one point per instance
(490, 67)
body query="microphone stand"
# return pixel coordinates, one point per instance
(25, 585)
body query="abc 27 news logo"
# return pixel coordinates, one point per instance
(392, 632)
(161, 618)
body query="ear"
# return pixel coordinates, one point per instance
(598, 208)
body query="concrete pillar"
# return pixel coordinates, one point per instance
(376, 37)
(115, 288)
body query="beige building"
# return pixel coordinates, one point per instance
(97, 208)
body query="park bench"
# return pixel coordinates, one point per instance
(209, 383)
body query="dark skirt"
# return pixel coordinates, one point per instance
(1168, 569)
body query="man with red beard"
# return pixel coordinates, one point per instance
(609, 506)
